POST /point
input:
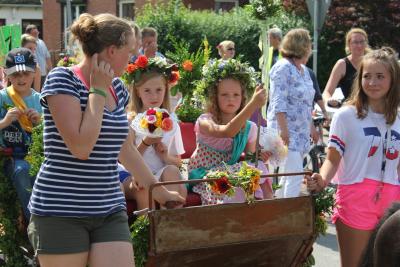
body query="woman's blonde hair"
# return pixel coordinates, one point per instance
(296, 44)
(98, 32)
(388, 58)
(212, 103)
(135, 105)
(348, 39)
(223, 46)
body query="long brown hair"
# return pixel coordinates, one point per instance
(135, 103)
(212, 103)
(388, 58)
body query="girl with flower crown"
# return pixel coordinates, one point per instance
(224, 132)
(149, 80)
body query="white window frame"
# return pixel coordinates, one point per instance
(120, 6)
(217, 2)
(75, 10)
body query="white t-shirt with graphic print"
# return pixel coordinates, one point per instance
(360, 142)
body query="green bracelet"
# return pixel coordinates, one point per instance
(97, 92)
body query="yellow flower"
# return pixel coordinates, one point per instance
(159, 119)
(143, 123)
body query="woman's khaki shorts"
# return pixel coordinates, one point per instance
(64, 235)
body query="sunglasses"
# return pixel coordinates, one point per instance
(231, 49)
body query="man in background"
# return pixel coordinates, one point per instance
(42, 53)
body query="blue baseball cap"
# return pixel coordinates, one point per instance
(20, 59)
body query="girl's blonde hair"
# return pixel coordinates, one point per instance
(348, 39)
(135, 105)
(212, 103)
(388, 58)
(223, 46)
(296, 44)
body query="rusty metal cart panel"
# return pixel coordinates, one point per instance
(276, 232)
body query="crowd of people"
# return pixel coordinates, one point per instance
(95, 158)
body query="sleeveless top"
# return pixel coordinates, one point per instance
(347, 81)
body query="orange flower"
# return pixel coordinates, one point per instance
(222, 185)
(131, 68)
(174, 77)
(141, 61)
(187, 65)
(166, 124)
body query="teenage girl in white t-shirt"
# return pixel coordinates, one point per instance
(363, 154)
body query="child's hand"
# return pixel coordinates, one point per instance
(151, 141)
(33, 116)
(101, 74)
(259, 97)
(13, 114)
(265, 155)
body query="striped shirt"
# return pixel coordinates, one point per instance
(67, 186)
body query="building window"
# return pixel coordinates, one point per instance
(127, 9)
(225, 5)
(37, 22)
(76, 11)
(2, 22)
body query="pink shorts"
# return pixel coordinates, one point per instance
(356, 206)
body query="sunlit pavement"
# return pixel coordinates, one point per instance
(326, 251)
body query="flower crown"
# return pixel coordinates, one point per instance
(134, 71)
(217, 70)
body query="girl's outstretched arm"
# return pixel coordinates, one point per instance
(210, 128)
(337, 73)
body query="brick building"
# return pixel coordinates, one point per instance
(55, 22)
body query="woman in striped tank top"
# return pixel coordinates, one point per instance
(78, 209)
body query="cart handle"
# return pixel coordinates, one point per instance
(171, 204)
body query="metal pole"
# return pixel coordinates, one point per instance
(315, 36)
(69, 22)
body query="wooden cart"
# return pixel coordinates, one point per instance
(278, 232)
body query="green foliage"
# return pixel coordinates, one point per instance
(264, 9)
(35, 155)
(11, 238)
(140, 234)
(191, 27)
(190, 66)
(188, 111)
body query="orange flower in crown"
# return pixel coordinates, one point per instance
(187, 65)
(133, 72)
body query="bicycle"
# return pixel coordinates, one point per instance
(317, 155)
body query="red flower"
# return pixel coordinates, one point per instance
(165, 115)
(152, 128)
(187, 65)
(141, 61)
(151, 111)
(174, 77)
(222, 185)
(166, 124)
(131, 68)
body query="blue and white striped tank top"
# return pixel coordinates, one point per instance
(67, 186)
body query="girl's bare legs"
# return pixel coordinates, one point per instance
(266, 188)
(352, 243)
(172, 173)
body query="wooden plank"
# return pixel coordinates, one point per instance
(229, 224)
